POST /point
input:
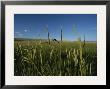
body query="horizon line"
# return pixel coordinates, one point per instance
(50, 39)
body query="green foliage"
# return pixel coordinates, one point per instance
(36, 58)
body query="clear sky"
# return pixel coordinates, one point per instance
(34, 26)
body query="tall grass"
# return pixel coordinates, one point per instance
(49, 60)
(48, 34)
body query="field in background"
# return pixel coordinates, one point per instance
(38, 58)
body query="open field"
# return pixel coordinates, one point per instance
(38, 58)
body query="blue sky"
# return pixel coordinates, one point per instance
(73, 26)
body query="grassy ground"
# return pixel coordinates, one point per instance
(35, 58)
